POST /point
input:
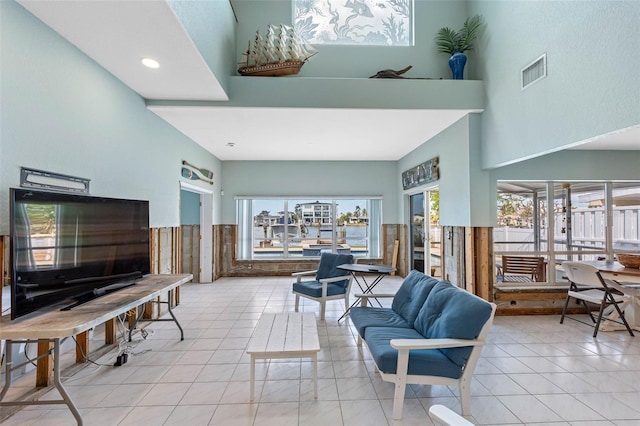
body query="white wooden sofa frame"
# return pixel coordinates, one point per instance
(401, 378)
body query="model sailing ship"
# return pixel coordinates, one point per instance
(280, 52)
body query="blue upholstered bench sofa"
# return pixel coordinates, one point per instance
(432, 334)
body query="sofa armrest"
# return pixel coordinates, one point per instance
(372, 295)
(408, 344)
(299, 275)
(364, 298)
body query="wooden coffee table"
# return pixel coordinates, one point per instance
(285, 335)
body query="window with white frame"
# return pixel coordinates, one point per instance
(276, 228)
(561, 221)
(362, 22)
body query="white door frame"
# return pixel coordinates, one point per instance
(206, 230)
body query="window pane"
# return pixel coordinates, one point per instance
(626, 217)
(368, 22)
(268, 228)
(580, 220)
(515, 230)
(276, 228)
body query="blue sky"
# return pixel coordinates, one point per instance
(274, 206)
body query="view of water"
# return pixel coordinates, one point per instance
(354, 235)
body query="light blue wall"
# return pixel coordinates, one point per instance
(592, 86)
(62, 112)
(462, 184)
(189, 208)
(211, 25)
(575, 165)
(311, 179)
(359, 61)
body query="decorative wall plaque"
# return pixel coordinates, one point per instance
(421, 174)
(32, 178)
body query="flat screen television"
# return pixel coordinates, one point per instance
(67, 249)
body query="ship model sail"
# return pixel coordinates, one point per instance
(279, 52)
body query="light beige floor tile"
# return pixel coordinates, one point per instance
(357, 388)
(277, 414)
(145, 416)
(363, 412)
(165, 394)
(204, 393)
(191, 415)
(527, 408)
(181, 373)
(320, 413)
(500, 384)
(280, 391)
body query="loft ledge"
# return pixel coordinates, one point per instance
(315, 92)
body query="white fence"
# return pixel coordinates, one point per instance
(587, 232)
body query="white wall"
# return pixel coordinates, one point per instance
(592, 86)
(211, 25)
(311, 179)
(62, 112)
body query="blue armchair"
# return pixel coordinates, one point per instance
(329, 283)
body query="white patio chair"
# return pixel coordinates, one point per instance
(587, 285)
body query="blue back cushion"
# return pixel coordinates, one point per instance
(411, 295)
(328, 263)
(451, 312)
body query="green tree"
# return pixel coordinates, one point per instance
(345, 217)
(434, 208)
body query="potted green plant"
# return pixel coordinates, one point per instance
(455, 43)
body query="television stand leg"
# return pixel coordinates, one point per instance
(9, 367)
(173, 317)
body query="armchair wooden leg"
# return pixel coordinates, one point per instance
(401, 383)
(465, 397)
(297, 302)
(323, 306)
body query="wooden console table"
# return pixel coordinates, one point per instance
(50, 327)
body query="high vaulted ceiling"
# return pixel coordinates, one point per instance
(116, 34)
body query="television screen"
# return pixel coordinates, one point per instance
(68, 248)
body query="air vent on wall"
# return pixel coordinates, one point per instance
(534, 72)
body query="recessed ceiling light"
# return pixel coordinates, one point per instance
(150, 62)
(231, 144)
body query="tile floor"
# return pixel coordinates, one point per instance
(533, 371)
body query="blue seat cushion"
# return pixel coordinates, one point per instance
(314, 288)
(328, 266)
(411, 295)
(451, 312)
(366, 316)
(424, 362)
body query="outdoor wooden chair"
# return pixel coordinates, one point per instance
(525, 268)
